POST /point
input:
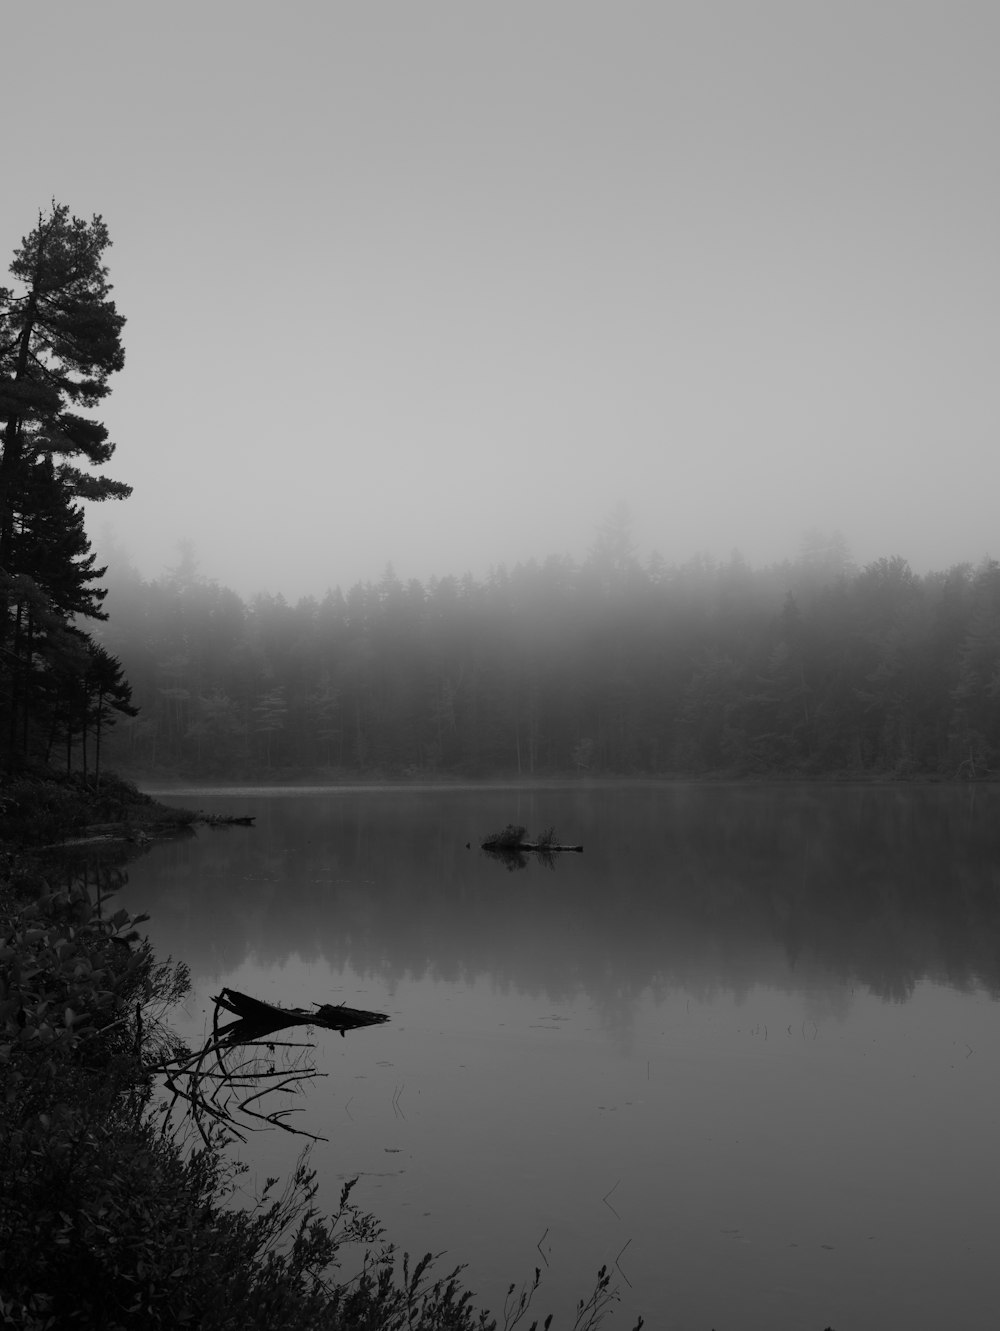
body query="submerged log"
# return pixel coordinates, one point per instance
(255, 1018)
(226, 1082)
(542, 847)
(514, 838)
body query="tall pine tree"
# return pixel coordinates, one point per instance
(60, 341)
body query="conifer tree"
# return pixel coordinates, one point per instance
(107, 691)
(60, 341)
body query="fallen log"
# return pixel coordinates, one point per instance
(255, 1018)
(542, 847)
(226, 1081)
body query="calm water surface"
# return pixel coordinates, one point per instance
(745, 1049)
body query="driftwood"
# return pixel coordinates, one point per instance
(225, 1082)
(542, 847)
(227, 819)
(255, 1018)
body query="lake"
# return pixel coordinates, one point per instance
(744, 1049)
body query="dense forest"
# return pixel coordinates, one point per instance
(609, 666)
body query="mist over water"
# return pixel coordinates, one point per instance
(744, 1043)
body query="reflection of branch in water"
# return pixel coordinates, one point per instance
(513, 859)
(510, 859)
(226, 1079)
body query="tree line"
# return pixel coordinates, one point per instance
(608, 666)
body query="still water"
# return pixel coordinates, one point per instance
(745, 1049)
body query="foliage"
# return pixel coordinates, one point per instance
(515, 837)
(40, 808)
(509, 838)
(34, 811)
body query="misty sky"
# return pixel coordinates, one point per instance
(442, 283)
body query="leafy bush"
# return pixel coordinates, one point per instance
(33, 811)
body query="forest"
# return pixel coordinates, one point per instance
(608, 666)
(611, 666)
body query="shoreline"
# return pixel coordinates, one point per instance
(109, 1217)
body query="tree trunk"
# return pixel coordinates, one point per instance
(97, 740)
(15, 672)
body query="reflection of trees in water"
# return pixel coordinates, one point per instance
(679, 887)
(513, 860)
(100, 868)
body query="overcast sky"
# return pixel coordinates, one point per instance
(442, 283)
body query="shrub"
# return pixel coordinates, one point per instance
(509, 839)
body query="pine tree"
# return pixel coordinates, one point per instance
(60, 340)
(50, 545)
(107, 691)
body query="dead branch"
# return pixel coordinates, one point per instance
(224, 1082)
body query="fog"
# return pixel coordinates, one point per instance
(440, 285)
